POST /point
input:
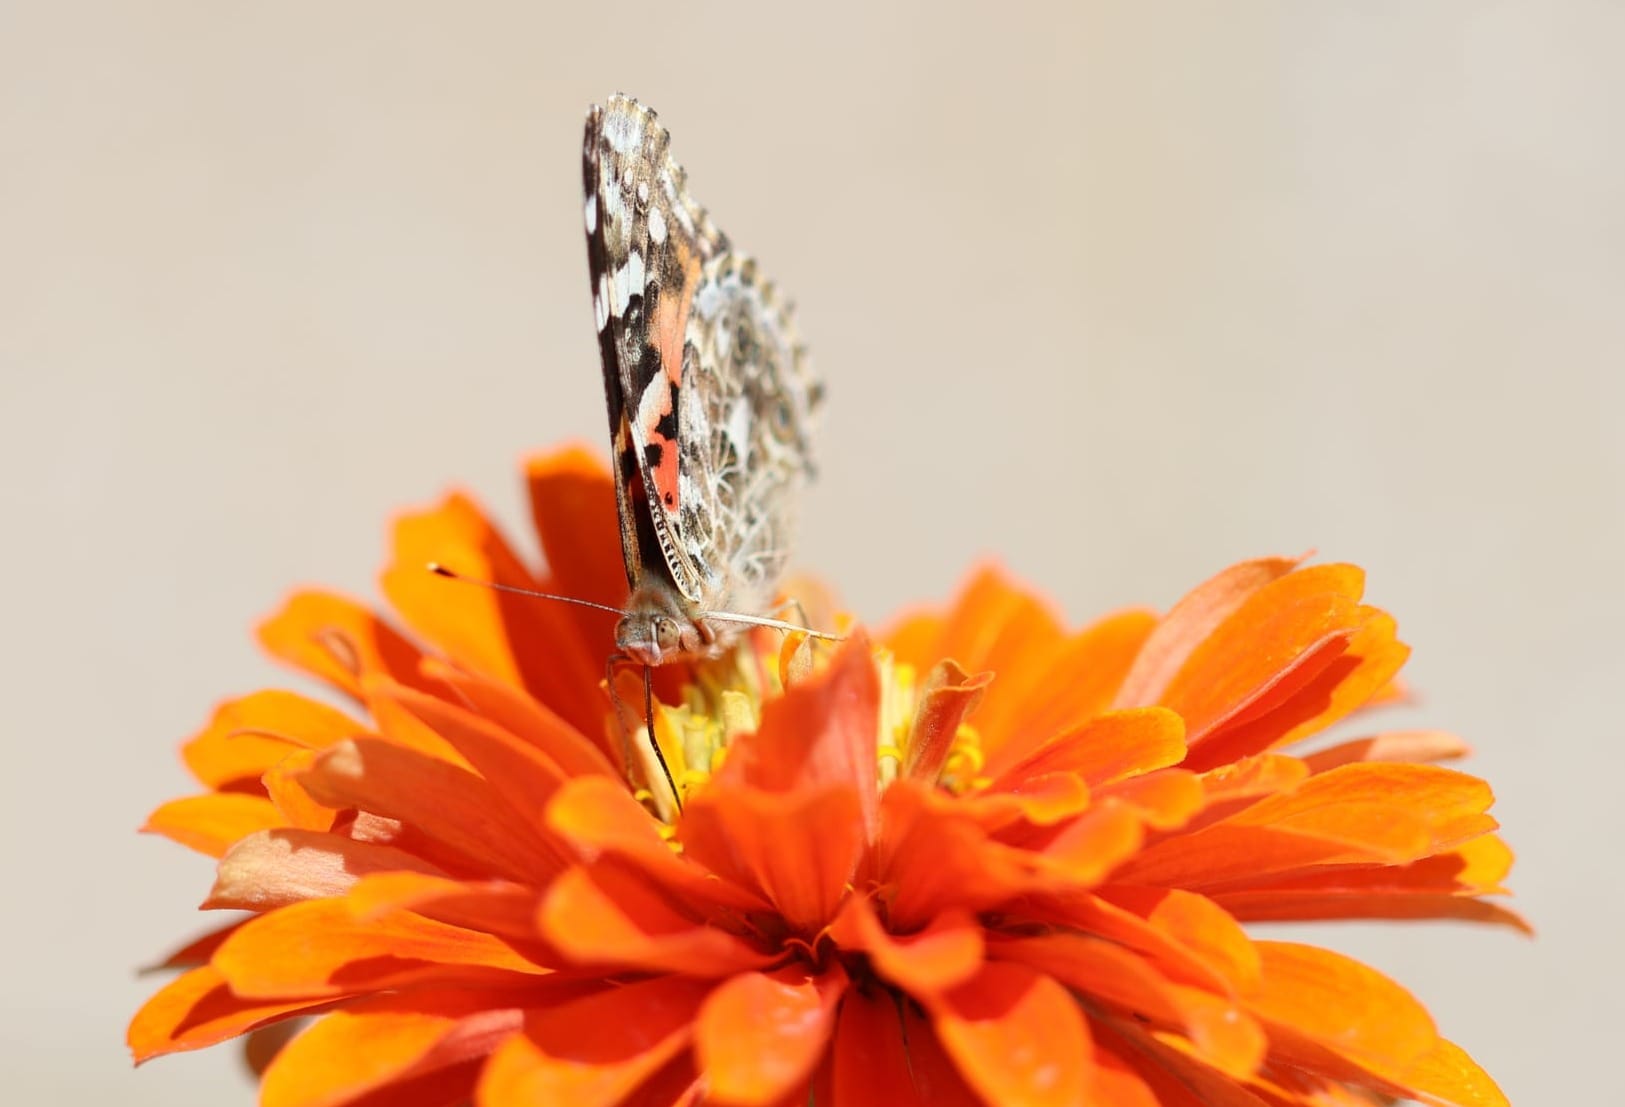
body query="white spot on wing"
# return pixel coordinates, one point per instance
(657, 226)
(592, 213)
(622, 130)
(628, 281)
(600, 302)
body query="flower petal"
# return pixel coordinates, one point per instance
(198, 1009)
(1107, 748)
(320, 949)
(870, 1058)
(273, 868)
(948, 696)
(608, 915)
(1016, 1036)
(339, 640)
(759, 1035)
(821, 733)
(1191, 621)
(572, 504)
(1078, 682)
(799, 849)
(469, 823)
(212, 823)
(594, 1051)
(526, 642)
(946, 953)
(1341, 1005)
(248, 735)
(1395, 745)
(379, 1042)
(600, 817)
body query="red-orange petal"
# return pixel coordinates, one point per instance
(572, 504)
(1016, 1036)
(1077, 682)
(870, 1059)
(1394, 745)
(759, 1035)
(319, 949)
(594, 1051)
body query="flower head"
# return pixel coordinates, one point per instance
(975, 859)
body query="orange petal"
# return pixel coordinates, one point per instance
(594, 1051)
(1395, 745)
(799, 849)
(1344, 1006)
(937, 1079)
(1275, 627)
(608, 915)
(381, 1042)
(198, 1009)
(248, 735)
(599, 816)
(1219, 1030)
(338, 640)
(949, 694)
(871, 1060)
(572, 504)
(524, 776)
(938, 858)
(1078, 681)
(822, 732)
(212, 823)
(284, 786)
(1191, 621)
(575, 753)
(493, 906)
(1107, 748)
(759, 1035)
(1016, 1036)
(463, 814)
(1307, 701)
(945, 954)
(1447, 1076)
(319, 949)
(526, 642)
(273, 868)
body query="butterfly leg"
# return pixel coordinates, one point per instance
(628, 727)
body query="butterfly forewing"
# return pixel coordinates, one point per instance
(709, 395)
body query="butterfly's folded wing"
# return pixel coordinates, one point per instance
(710, 400)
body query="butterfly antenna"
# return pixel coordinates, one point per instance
(440, 570)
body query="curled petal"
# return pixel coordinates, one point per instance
(1016, 1036)
(759, 1035)
(596, 1050)
(945, 954)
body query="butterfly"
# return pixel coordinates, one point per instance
(710, 396)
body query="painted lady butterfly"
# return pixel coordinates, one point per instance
(710, 399)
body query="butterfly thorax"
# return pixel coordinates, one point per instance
(659, 626)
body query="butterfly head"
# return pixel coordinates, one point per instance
(657, 628)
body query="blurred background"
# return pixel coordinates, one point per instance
(1117, 293)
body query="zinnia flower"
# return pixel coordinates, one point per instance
(975, 859)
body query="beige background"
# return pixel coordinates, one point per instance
(1117, 292)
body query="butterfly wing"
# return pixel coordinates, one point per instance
(709, 396)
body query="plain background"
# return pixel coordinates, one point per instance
(1118, 293)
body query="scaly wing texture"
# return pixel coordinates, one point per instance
(709, 393)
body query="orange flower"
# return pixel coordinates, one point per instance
(978, 859)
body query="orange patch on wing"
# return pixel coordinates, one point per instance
(669, 329)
